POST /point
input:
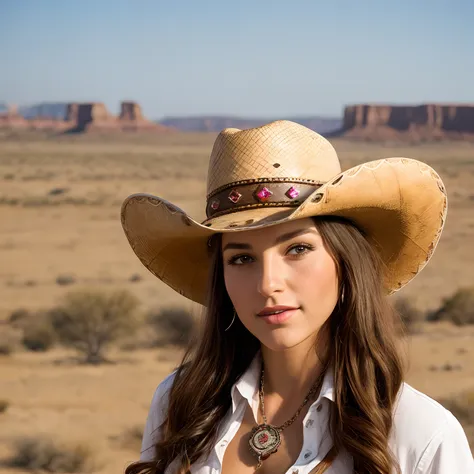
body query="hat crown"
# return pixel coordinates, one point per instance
(280, 149)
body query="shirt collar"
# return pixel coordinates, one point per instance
(248, 383)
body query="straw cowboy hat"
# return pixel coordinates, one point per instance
(280, 172)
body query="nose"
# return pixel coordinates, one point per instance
(271, 276)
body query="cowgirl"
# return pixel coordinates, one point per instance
(298, 368)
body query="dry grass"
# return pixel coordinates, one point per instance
(10, 339)
(46, 234)
(44, 453)
(4, 404)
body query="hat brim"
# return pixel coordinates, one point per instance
(399, 203)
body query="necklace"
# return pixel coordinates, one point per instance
(265, 439)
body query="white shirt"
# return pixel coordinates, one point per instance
(426, 438)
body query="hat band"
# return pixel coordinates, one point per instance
(269, 192)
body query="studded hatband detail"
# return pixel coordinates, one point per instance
(274, 192)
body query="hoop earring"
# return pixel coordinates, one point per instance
(342, 295)
(232, 322)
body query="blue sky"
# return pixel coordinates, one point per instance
(245, 58)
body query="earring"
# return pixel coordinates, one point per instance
(232, 322)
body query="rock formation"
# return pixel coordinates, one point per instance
(12, 119)
(130, 111)
(131, 118)
(363, 121)
(421, 122)
(86, 117)
(89, 116)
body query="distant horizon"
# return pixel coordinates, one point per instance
(239, 116)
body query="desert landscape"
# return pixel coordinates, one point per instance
(60, 199)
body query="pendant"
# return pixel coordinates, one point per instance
(264, 440)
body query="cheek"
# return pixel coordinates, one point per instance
(317, 281)
(235, 285)
(241, 287)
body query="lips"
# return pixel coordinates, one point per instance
(271, 310)
(278, 317)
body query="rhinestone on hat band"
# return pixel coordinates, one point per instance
(260, 192)
(265, 439)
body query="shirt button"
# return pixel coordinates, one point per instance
(309, 423)
(307, 454)
(319, 407)
(224, 443)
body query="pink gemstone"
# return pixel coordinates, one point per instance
(234, 196)
(215, 204)
(292, 192)
(263, 438)
(264, 194)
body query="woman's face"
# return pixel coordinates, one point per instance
(283, 265)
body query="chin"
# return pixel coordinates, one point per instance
(281, 342)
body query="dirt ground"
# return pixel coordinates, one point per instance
(60, 201)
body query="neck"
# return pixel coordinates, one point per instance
(290, 372)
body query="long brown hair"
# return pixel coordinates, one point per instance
(363, 352)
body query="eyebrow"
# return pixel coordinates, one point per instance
(278, 240)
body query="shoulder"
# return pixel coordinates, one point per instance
(159, 401)
(415, 409)
(156, 417)
(422, 427)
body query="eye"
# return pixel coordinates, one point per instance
(301, 249)
(235, 260)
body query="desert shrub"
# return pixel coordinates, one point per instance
(458, 308)
(64, 280)
(4, 404)
(56, 191)
(409, 314)
(132, 438)
(10, 339)
(39, 334)
(43, 453)
(171, 326)
(89, 321)
(18, 317)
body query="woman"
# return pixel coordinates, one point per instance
(298, 367)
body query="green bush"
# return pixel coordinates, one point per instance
(42, 453)
(89, 321)
(171, 326)
(458, 308)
